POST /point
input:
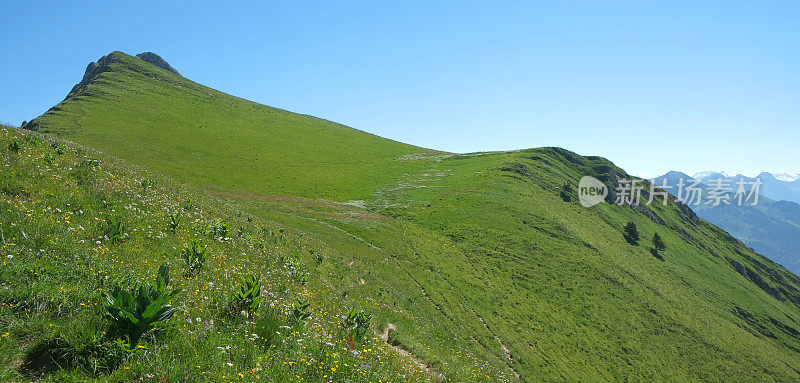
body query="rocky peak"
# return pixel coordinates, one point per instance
(102, 65)
(156, 60)
(94, 69)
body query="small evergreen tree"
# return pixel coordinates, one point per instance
(631, 233)
(658, 243)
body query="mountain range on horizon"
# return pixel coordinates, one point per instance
(464, 267)
(781, 176)
(779, 187)
(772, 227)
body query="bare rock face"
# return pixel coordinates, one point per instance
(94, 69)
(102, 65)
(156, 60)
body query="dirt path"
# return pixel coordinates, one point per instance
(505, 349)
(391, 327)
(400, 349)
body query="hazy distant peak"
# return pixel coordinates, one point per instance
(787, 177)
(766, 176)
(710, 173)
(674, 174)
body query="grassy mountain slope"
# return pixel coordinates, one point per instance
(479, 257)
(560, 287)
(57, 203)
(207, 137)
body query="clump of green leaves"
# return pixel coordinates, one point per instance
(174, 222)
(57, 148)
(301, 275)
(194, 254)
(219, 229)
(299, 312)
(148, 183)
(356, 325)
(48, 158)
(138, 311)
(14, 146)
(256, 242)
(32, 139)
(113, 229)
(317, 257)
(631, 233)
(246, 300)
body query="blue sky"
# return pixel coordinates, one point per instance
(653, 86)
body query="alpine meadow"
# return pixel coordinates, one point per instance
(154, 229)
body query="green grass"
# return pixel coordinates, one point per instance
(479, 262)
(558, 284)
(207, 137)
(582, 294)
(58, 260)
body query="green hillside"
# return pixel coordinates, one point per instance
(60, 205)
(482, 265)
(207, 137)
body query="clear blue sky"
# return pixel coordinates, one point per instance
(652, 86)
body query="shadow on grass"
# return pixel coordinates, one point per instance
(100, 357)
(655, 253)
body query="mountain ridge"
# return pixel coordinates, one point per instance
(486, 254)
(119, 74)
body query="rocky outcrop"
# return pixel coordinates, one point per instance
(102, 65)
(156, 60)
(94, 69)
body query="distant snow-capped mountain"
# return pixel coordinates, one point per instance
(701, 175)
(787, 177)
(772, 227)
(777, 186)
